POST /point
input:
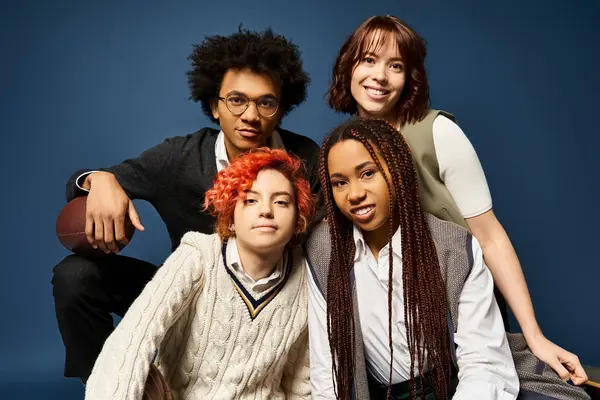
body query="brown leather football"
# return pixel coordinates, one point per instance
(156, 386)
(70, 228)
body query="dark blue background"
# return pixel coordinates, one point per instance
(87, 84)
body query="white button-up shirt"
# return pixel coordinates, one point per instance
(485, 366)
(256, 286)
(221, 151)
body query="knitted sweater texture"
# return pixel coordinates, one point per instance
(210, 345)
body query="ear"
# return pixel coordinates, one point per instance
(214, 106)
(278, 116)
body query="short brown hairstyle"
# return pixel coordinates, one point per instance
(414, 101)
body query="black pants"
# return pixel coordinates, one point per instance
(86, 291)
(401, 391)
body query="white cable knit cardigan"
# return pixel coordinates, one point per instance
(209, 346)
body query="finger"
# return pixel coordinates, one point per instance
(578, 375)
(120, 236)
(579, 380)
(134, 217)
(560, 370)
(109, 236)
(115, 246)
(99, 234)
(572, 364)
(89, 230)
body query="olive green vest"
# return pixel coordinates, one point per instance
(435, 197)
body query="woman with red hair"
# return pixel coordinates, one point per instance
(228, 311)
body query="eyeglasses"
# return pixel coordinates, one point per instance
(237, 104)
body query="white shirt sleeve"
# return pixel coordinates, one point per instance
(485, 366)
(79, 181)
(321, 375)
(460, 169)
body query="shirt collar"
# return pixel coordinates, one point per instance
(362, 249)
(234, 262)
(275, 142)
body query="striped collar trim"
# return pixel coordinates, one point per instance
(255, 306)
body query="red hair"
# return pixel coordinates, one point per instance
(231, 184)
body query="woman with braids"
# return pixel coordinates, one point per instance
(227, 311)
(398, 286)
(380, 73)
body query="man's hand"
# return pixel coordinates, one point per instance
(107, 207)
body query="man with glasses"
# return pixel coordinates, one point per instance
(246, 82)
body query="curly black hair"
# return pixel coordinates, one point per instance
(261, 52)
